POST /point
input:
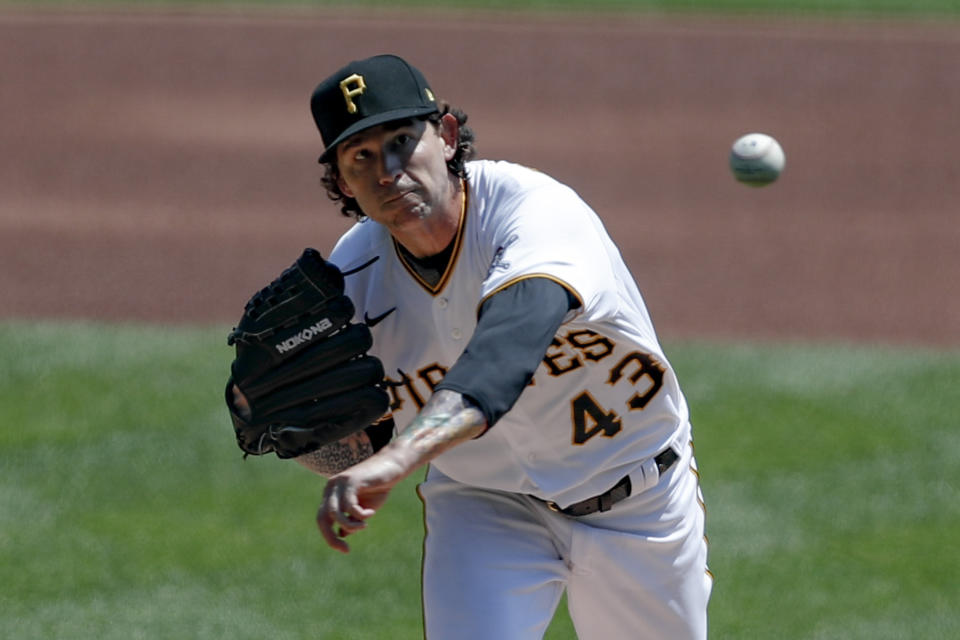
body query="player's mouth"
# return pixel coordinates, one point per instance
(398, 198)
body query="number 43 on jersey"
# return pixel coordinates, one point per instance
(642, 371)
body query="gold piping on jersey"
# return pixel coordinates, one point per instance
(423, 552)
(454, 255)
(527, 276)
(696, 472)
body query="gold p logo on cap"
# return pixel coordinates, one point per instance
(352, 86)
(365, 93)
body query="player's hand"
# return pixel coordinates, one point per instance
(240, 403)
(353, 496)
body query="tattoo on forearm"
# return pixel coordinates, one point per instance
(446, 419)
(337, 456)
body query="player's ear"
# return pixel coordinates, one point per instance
(344, 189)
(450, 132)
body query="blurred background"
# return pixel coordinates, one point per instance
(158, 162)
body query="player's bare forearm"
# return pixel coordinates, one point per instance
(337, 456)
(446, 420)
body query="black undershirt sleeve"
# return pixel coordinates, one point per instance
(514, 330)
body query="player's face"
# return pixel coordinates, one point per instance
(397, 172)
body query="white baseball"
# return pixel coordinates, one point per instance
(757, 159)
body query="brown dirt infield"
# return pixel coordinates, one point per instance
(161, 166)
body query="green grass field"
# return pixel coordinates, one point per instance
(831, 474)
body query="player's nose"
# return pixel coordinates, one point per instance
(391, 166)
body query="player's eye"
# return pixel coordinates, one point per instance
(403, 139)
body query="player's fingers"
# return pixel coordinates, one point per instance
(329, 529)
(331, 537)
(353, 514)
(344, 505)
(336, 518)
(327, 518)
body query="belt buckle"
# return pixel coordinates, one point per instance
(553, 506)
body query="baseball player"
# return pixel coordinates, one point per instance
(522, 367)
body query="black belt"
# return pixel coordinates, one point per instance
(621, 490)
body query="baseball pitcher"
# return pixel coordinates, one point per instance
(478, 319)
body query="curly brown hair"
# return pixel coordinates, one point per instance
(457, 165)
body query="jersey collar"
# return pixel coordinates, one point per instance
(434, 289)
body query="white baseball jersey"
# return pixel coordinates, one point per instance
(604, 399)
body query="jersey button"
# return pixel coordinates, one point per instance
(442, 303)
(456, 334)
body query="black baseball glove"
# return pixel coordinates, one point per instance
(302, 365)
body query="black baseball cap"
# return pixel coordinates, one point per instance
(366, 93)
